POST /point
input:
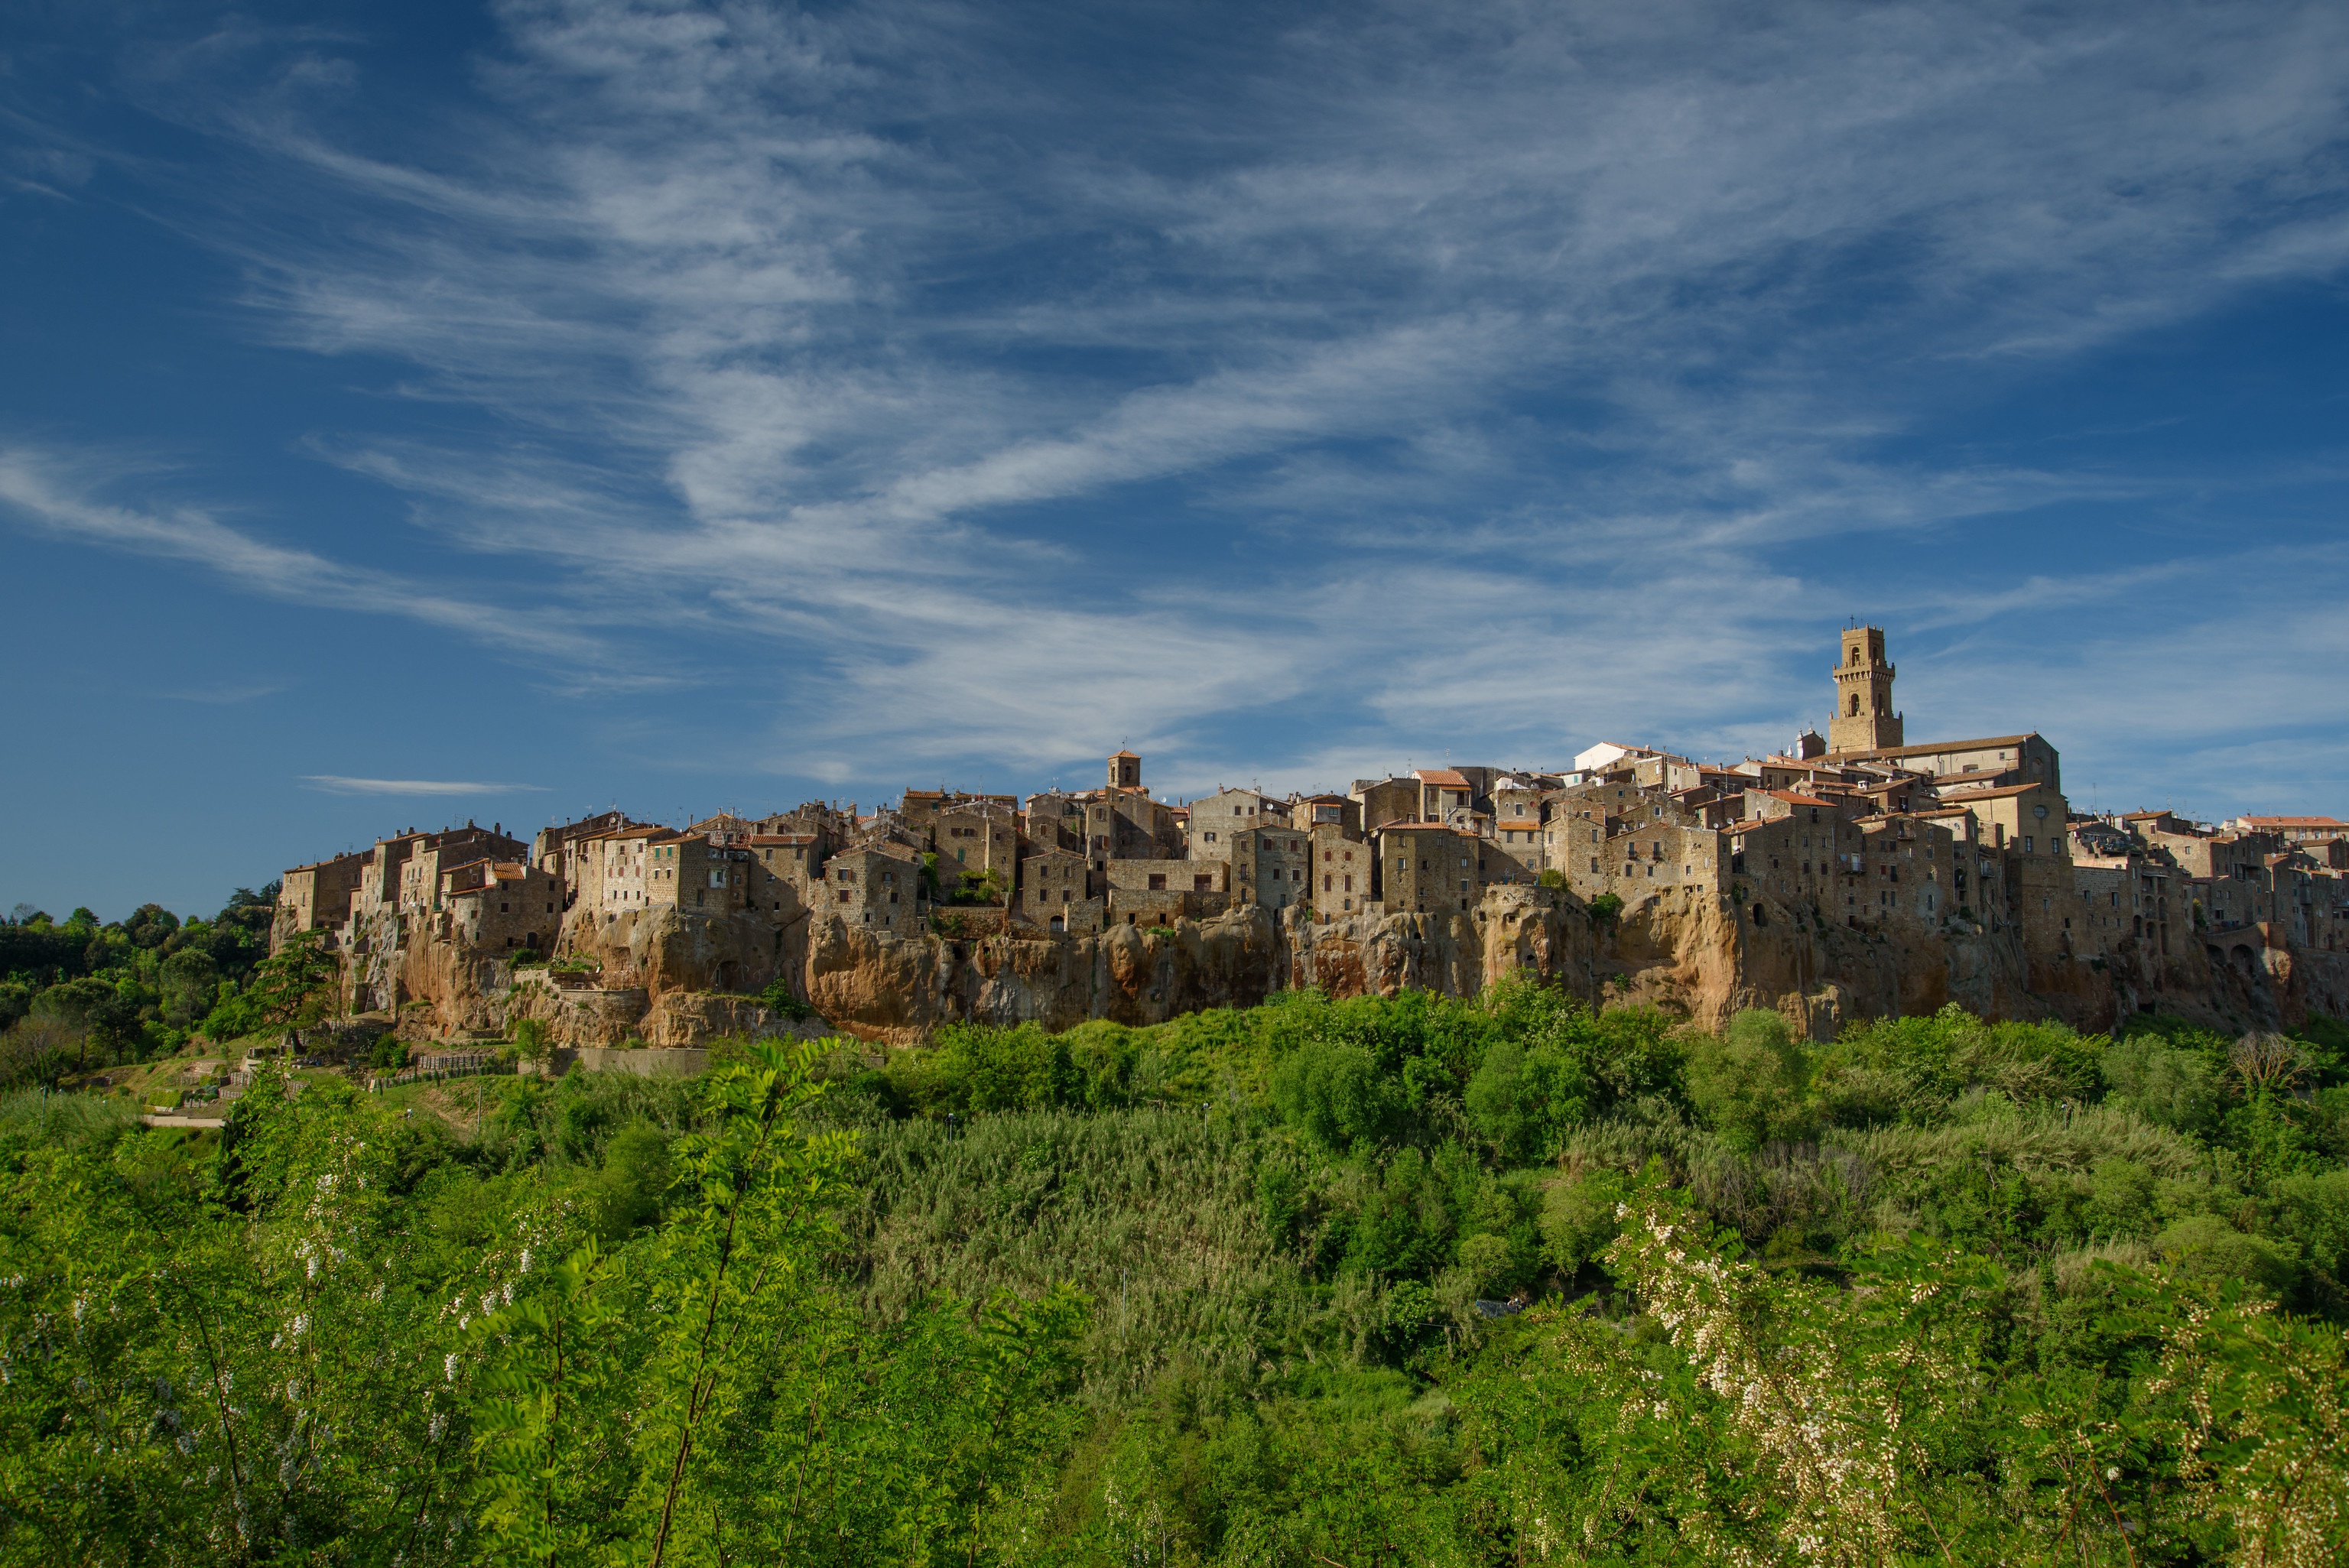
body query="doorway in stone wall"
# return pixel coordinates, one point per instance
(728, 976)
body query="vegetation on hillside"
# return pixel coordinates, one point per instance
(1377, 1280)
(77, 995)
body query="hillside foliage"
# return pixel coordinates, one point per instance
(1374, 1280)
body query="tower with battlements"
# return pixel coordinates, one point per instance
(1864, 716)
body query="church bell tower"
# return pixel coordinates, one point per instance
(1864, 717)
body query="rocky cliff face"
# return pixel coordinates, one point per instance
(668, 978)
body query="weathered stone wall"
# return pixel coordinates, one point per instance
(674, 979)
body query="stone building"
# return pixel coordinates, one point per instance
(379, 877)
(872, 889)
(1120, 824)
(2295, 830)
(920, 809)
(1272, 866)
(1053, 819)
(1643, 858)
(792, 860)
(2125, 892)
(1445, 795)
(974, 838)
(699, 873)
(1387, 801)
(419, 876)
(556, 850)
(1159, 892)
(1339, 876)
(615, 872)
(1907, 870)
(503, 905)
(1515, 851)
(831, 828)
(1217, 820)
(1053, 885)
(318, 897)
(1341, 812)
(1426, 868)
(1865, 719)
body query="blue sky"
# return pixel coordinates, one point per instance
(423, 413)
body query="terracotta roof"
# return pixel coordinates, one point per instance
(1789, 796)
(2001, 792)
(1122, 753)
(1441, 777)
(1982, 743)
(2297, 822)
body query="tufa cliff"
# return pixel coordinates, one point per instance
(664, 977)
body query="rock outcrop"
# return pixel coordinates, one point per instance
(663, 977)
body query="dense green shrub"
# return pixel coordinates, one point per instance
(1252, 1281)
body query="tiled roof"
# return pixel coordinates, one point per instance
(2296, 823)
(1441, 777)
(2001, 792)
(1984, 744)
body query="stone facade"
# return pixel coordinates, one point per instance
(1426, 868)
(871, 890)
(976, 838)
(500, 906)
(1272, 866)
(1865, 719)
(1052, 886)
(1341, 873)
(1217, 820)
(318, 897)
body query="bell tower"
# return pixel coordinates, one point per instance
(1864, 717)
(1124, 771)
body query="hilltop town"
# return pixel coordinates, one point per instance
(1854, 873)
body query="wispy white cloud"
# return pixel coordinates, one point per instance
(1497, 376)
(337, 784)
(227, 696)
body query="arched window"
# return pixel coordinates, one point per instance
(1854, 705)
